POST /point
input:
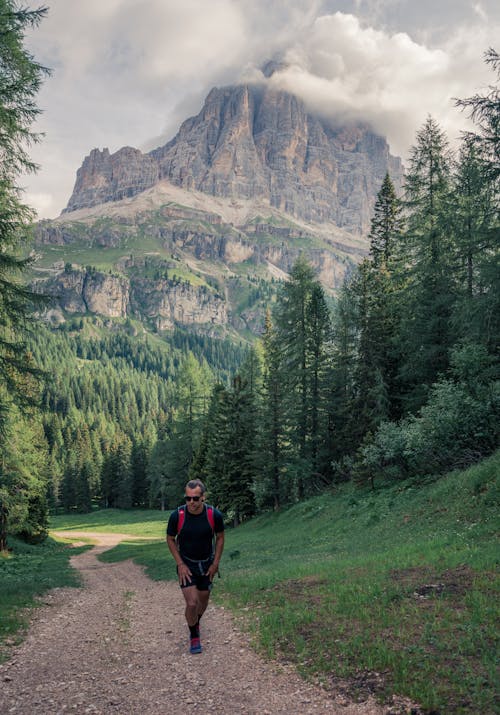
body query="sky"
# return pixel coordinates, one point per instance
(128, 72)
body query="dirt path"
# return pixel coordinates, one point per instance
(119, 645)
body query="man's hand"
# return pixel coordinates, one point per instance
(212, 570)
(184, 574)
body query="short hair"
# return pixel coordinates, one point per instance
(193, 483)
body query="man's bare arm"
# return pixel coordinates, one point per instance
(219, 548)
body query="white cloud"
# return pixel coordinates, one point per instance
(480, 11)
(126, 71)
(346, 71)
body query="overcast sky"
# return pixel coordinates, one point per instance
(127, 72)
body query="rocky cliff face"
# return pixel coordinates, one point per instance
(161, 302)
(252, 142)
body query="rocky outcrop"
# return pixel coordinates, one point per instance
(106, 294)
(253, 142)
(107, 177)
(165, 303)
(170, 303)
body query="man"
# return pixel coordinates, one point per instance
(190, 537)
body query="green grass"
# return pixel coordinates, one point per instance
(137, 522)
(152, 524)
(26, 573)
(386, 591)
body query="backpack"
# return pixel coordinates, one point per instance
(181, 517)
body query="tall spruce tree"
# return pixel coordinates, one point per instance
(270, 490)
(475, 219)
(230, 459)
(342, 440)
(318, 341)
(480, 165)
(386, 226)
(294, 319)
(375, 288)
(484, 109)
(20, 80)
(425, 334)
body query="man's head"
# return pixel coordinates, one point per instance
(195, 496)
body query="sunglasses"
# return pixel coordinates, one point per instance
(196, 498)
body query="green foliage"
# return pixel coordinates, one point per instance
(457, 426)
(27, 572)
(23, 478)
(485, 111)
(302, 321)
(20, 80)
(400, 582)
(22, 499)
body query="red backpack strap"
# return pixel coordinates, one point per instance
(181, 517)
(210, 517)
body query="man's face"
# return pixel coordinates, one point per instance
(194, 505)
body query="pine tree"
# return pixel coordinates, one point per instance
(270, 490)
(484, 109)
(20, 80)
(425, 336)
(23, 478)
(229, 467)
(319, 326)
(386, 226)
(476, 226)
(342, 440)
(480, 168)
(292, 332)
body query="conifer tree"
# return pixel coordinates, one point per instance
(480, 165)
(387, 224)
(229, 465)
(270, 491)
(425, 335)
(475, 219)
(341, 414)
(292, 332)
(318, 339)
(20, 80)
(484, 109)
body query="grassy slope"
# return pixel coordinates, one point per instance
(391, 591)
(26, 573)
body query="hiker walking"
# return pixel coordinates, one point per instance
(191, 531)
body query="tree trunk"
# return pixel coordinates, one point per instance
(3, 528)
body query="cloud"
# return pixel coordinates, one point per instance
(346, 71)
(128, 72)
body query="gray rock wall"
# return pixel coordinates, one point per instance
(251, 142)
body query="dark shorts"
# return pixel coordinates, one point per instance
(198, 574)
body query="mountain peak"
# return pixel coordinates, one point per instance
(254, 142)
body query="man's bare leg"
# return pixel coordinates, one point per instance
(191, 597)
(203, 597)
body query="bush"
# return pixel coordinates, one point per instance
(457, 426)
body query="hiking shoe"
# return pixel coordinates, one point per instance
(195, 645)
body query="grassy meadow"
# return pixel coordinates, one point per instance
(386, 591)
(26, 573)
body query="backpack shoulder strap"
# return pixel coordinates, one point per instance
(181, 517)
(210, 517)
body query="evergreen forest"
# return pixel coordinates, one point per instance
(400, 379)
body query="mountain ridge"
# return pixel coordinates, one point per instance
(253, 143)
(197, 233)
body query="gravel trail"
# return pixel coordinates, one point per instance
(119, 645)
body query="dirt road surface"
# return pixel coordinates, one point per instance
(119, 645)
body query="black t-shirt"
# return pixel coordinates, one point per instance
(196, 538)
